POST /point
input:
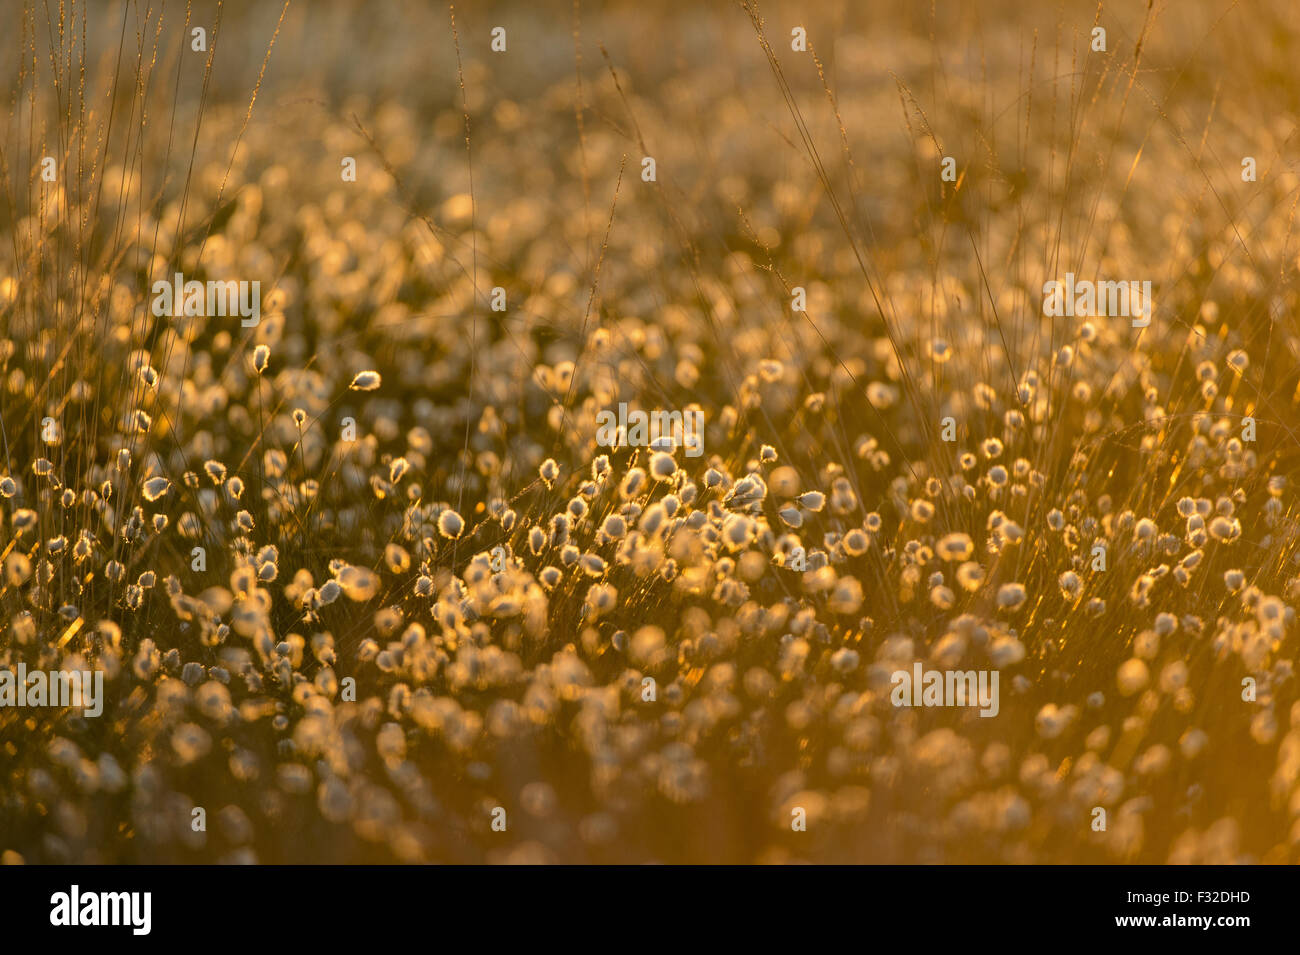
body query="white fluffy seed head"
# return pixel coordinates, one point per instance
(366, 381)
(156, 487)
(662, 466)
(955, 547)
(1011, 596)
(450, 524)
(812, 500)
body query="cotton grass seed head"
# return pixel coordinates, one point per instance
(155, 487)
(955, 547)
(1011, 596)
(450, 524)
(662, 466)
(365, 381)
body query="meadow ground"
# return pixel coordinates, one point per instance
(365, 576)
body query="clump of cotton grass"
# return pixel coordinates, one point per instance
(286, 619)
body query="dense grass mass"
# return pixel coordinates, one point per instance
(362, 581)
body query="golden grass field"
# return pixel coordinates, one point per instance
(366, 583)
